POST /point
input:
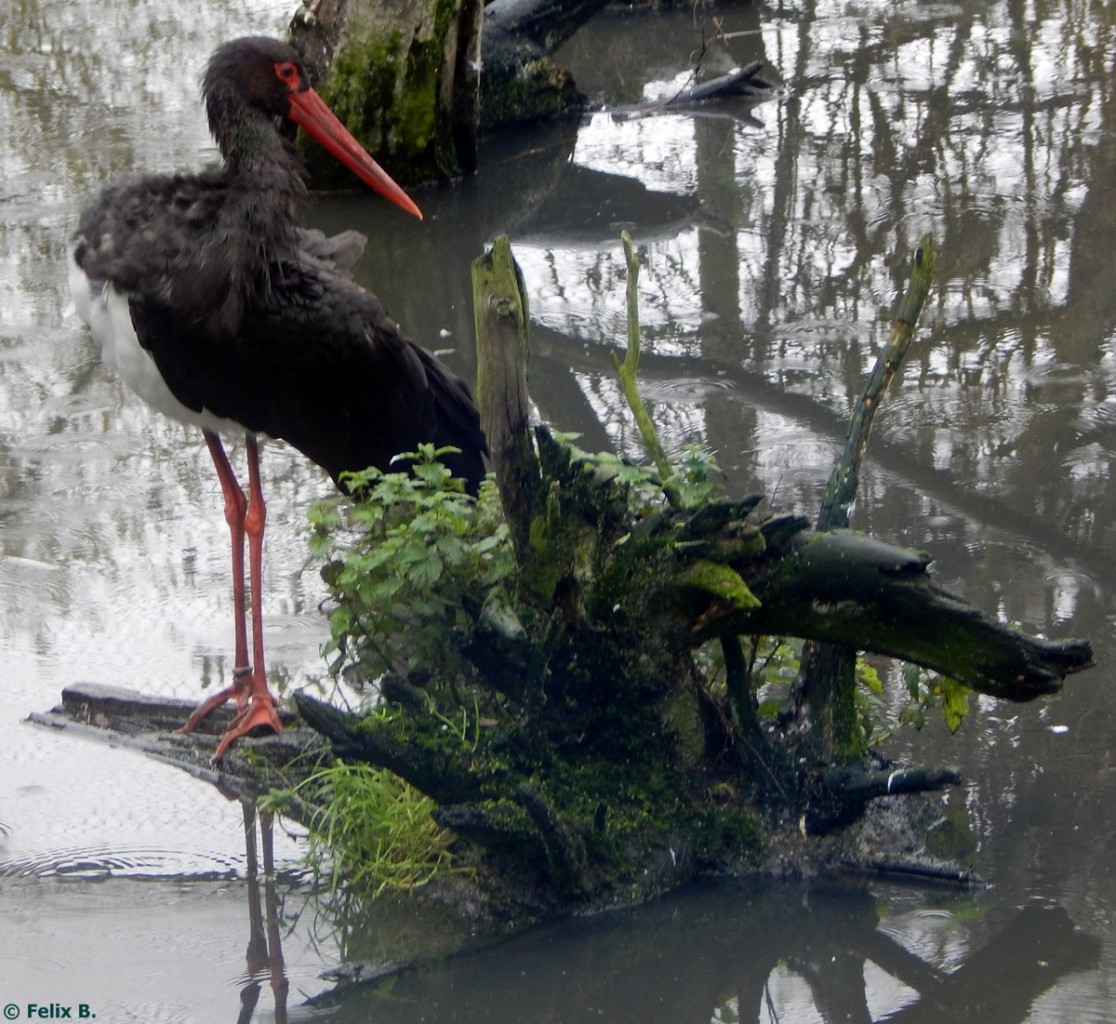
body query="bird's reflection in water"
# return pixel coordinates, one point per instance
(265, 949)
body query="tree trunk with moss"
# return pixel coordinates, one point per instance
(403, 75)
(418, 81)
(607, 739)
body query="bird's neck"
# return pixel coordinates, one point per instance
(254, 143)
(251, 145)
(266, 177)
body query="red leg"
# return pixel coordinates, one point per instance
(255, 704)
(254, 521)
(257, 708)
(235, 508)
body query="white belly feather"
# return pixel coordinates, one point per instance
(106, 312)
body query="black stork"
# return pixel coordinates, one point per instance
(210, 301)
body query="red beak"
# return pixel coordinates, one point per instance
(308, 111)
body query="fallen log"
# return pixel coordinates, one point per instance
(741, 83)
(850, 589)
(150, 725)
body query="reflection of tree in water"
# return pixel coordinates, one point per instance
(897, 120)
(710, 955)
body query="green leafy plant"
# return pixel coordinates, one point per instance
(371, 829)
(772, 666)
(928, 690)
(692, 475)
(404, 554)
(696, 466)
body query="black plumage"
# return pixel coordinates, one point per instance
(242, 318)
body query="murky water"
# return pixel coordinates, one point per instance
(773, 240)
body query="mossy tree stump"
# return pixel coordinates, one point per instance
(603, 741)
(403, 77)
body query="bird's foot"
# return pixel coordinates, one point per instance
(259, 712)
(255, 708)
(237, 691)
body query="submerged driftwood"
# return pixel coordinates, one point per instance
(736, 938)
(150, 725)
(826, 932)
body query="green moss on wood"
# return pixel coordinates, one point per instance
(534, 90)
(713, 581)
(386, 87)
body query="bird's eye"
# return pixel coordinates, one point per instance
(287, 72)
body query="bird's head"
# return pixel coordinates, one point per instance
(258, 75)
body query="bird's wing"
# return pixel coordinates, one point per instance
(318, 362)
(338, 253)
(187, 243)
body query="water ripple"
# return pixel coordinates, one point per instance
(97, 863)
